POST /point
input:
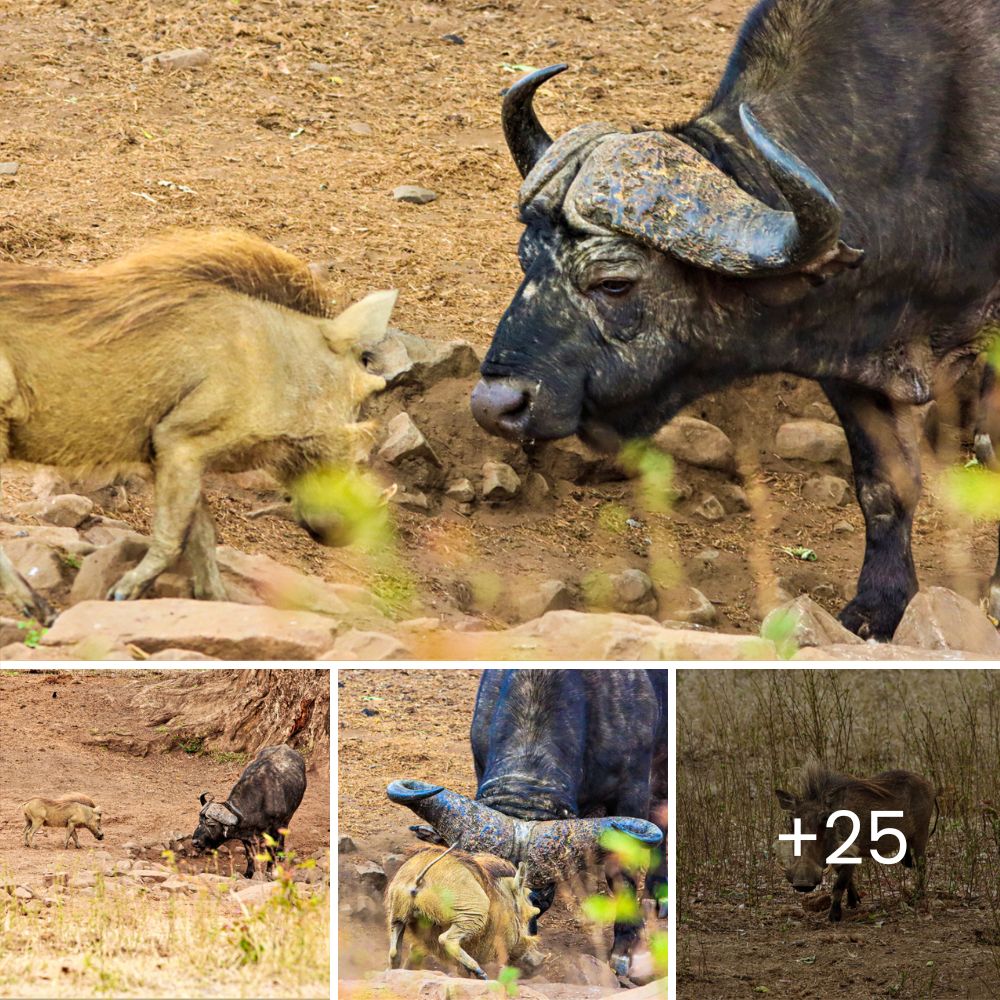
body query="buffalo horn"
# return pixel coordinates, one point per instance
(526, 138)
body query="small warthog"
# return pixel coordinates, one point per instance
(825, 793)
(470, 908)
(203, 350)
(71, 811)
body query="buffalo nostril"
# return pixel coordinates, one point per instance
(498, 403)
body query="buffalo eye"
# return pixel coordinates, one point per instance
(615, 287)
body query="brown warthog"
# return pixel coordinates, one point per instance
(470, 908)
(825, 793)
(203, 350)
(70, 811)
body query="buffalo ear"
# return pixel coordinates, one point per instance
(206, 797)
(786, 800)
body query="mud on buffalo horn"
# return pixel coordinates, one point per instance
(549, 848)
(658, 190)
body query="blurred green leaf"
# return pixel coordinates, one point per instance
(799, 552)
(974, 491)
(507, 978)
(345, 506)
(633, 854)
(655, 470)
(623, 907)
(659, 950)
(779, 626)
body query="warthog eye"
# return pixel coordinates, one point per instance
(367, 357)
(614, 287)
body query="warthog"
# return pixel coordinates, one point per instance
(71, 811)
(471, 908)
(262, 801)
(825, 793)
(203, 350)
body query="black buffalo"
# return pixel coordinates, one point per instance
(833, 212)
(262, 801)
(552, 749)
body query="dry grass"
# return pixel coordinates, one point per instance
(117, 942)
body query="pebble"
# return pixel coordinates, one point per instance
(710, 508)
(413, 194)
(177, 59)
(9, 168)
(500, 481)
(346, 845)
(461, 490)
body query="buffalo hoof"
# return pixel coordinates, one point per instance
(835, 914)
(873, 617)
(620, 965)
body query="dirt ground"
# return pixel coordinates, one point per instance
(307, 117)
(48, 730)
(420, 729)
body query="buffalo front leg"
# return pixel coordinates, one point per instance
(178, 491)
(626, 932)
(883, 440)
(200, 550)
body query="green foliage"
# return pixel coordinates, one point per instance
(33, 632)
(659, 950)
(192, 745)
(779, 626)
(974, 491)
(73, 562)
(507, 978)
(632, 854)
(623, 907)
(655, 470)
(346, 505)
(799, 552)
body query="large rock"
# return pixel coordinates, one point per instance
(805, 623)
(405, 442)
(883, 651)
(64, 539)
(812, 441)
(404, 984)
(827, 491)
(938, 618)
(688, 604)
(102, 569)
(535, 600)
(68, 510)
(360, 645)
(401, 358)
(216, 628)
(38, 563)
(697, 442)
(577, 635)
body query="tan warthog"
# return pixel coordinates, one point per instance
(70, 811)
(824, 793)
(470, 908)
(203, 350)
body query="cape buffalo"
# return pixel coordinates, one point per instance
(263, 800)
(661, 265)
(553, 749)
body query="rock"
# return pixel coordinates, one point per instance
(500, 481)
(844, 528)
(655, 990)
(461, 490)
(215, 628)
(371, 874)
(255, 895)
(453, 39)
(177, 885)
(404, 984)
(177, 59)
(812, 441)
(536, 488)
(632, 593)
(938, 618)
(827, 491)
(319, 67)
(413, 500)
(66, 511)
(813, 626)
(359, 645)
(533, 601)
(392, 863)
(405, 441)
(65, 540)
(413, 194)
(822, 411)
(39, 564)
(46, 482)
(710, 508)
(180, 654)
(258, 579)
(404, 359)
(697, 442)
(171, 584)
(572, 460)
(879, 651)
(102, 569)
(346, 845)
(688, 605)
(586, 970)
(82, 880)
(9, 168)
(21, 892)
(707, 558)
(734, 498)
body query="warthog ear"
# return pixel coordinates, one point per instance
(785, 799)
(365, 320)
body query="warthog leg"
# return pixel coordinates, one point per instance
(179, 465)
(29, 832)
(844, 877)
(72, 836)
(396, 932)
(200, 550)
(465, 925)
